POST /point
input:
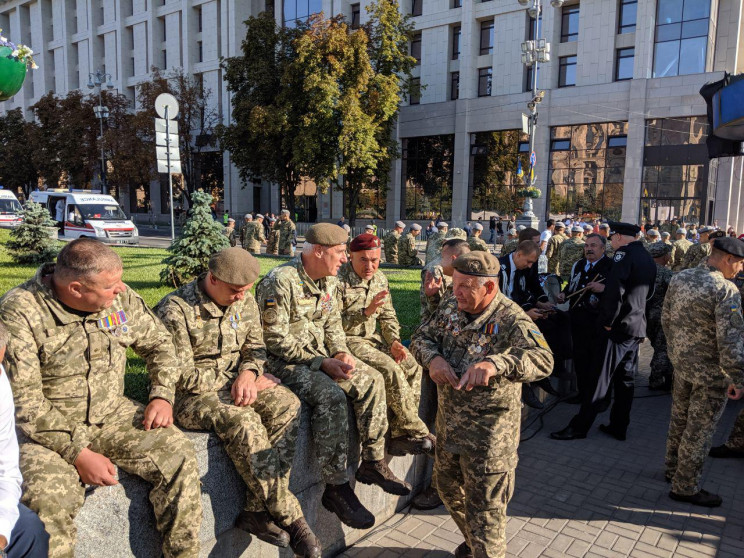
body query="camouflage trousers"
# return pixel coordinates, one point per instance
(736, 438)
(272, 244)
(476, 498)
(254, 247)
(415, 261)
(285, 245)
(163, 457)
(260, 439)
(661, 366)
(696, 410)
(329, 416)
(402, 385)
(391, 256)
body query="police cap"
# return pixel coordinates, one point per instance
(625, 229)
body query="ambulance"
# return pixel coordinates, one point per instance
(84, 213)
(9, 209)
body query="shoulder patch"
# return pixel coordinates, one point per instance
(539, 338)
(619, 256)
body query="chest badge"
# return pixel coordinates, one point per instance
(113, 321)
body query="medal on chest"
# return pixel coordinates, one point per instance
(235, 320)
(326, 303)
(115, 323)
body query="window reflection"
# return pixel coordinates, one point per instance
(428, 163)
(681, 37)
(300, 10)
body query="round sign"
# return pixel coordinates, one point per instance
(166, 100)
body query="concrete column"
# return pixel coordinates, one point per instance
(634, 152)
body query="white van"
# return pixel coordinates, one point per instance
(9, 209)
(83, 213)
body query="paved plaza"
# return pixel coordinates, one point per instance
(592, 498)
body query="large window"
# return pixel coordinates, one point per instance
(486, 37)
(356, 15)
(681, 37)
(566, 71)
(626, 22)
(570, 24)
(300, 10)
(372, 201)
(587, 170)
(427, 171)
(624, 63)
(484, 82)
(494, 179)
(417, 7)
(456, 32)
(416, 47)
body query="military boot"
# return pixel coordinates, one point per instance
(263, 527)
(341, 500)
(378, 472)
(428, 499)
(408, 445)
(303, 541)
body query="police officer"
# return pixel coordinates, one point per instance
(479, 346)
(708, 358)
(407, 251)
(391, 242)
(622, 315)
(307, 349)
(365, 302)
(216, 327)
(70, 327)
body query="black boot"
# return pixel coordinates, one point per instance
(341, 500)
(612, 431)
(725, 451)
(702, 498)
(378, 472)
(408, 445)
(263, 527)
(428, 499)
(529, 398)
(303, 541)
(547, 387)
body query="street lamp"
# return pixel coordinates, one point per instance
(96, 81)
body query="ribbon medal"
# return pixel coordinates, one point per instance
(235, 320)
(114, 323)
(326, 304)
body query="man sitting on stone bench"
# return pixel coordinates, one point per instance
(70, 327)
(216, 328)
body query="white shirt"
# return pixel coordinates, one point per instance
(510, 282)
(10, 474)
(60, 210)
(544, 237)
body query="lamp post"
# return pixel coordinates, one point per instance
(96, 81)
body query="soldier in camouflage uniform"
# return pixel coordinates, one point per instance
(252, 234)
(511, 244)
(552, 251)
(652, 237)
(70, 327)
(661, 368)
(308, 352)
(697, 252)
(286, 230)
(703, 322)
(272, 243)
(476, 242)
(680, 246)
(571, 251)
(216, 327)
(436, 277)
(230, 232)
(391, 243)
(604, 230)
(454, 232)
(364, 301)
(478, 352)
(407, 251)
(435, 241)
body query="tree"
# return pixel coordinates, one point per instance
(17, 167)
(130, 142)
(201, 237)
(196, 118)
(265, 109)
(32, 241)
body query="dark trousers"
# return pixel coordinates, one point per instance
(589, 346)
(556, 328)
(618, 372)
(28, 538)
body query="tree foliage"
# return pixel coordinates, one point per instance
(17, 167)
(200, 237)
(32, 242)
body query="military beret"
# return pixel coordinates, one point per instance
(415, 227)
(577, 229)
(369, 228)
(681, 231)
(400, 224)
(478, 263)
(442, 225)
(285, 212)
(364, 242)
(659, 249)
(346, 227)
(730, 245)
(478, 227)
(326, 234)
(513, 232)
(272, 219)
(665, 235)
(231, 220)
(259, 216)
(234, 266)
(653, 232)
(456, 232)
(716, 234)
(625, 229)
(705, 229)
(560, 225)
(248, 216)
(604, 226)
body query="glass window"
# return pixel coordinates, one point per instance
(570, 24)
(681, 40)
(484, 82)
(428, 169)
(617, 141)
(416, 47)
(372, 200)
(356, 15)
(624, 63)
(414, 96)
(486, 37)
(566, 71)
(456, 31)
(560, 145)
(457, 3)
(626, 22)
(300, 10)
(454, 86)
(531, 27)
(416, 7)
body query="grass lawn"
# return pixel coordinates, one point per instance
(142, 270)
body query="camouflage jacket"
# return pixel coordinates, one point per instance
(679, 250)
(571, 251)
(703, 323)
(484, 421)
(696, 254)
(391, 246)
(354, 295)
(509, 247)
(215, 344)
(286, 231)
(653, 306)
(231, 234)
(552, 252)
(407, 251)
(67, 368)
(301, 321)
(252, 235)
(477, 243)
(429, 303)
(434, 246)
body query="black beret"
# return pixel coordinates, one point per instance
(234, 266)
(326, 234)
(730, 245)
(626, 229)
(478, 263)
(716, 234)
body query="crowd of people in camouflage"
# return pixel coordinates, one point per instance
(498, 319)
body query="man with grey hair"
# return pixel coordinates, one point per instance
(390, 242)
(70, 327)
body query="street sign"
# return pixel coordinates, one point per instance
(533, 159)
(525, 123)
(166, 144)
(171, 139)
(175, 166)
(172, 126)
(163, 153)
(163, 101)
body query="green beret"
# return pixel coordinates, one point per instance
(659, 249)
(234, 266)
(479, 263)
(326, 234)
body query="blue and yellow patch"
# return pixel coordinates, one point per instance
(539, 338)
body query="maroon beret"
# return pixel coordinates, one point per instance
(364, 241)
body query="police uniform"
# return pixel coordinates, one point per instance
(67, 373)
(478, 430)
(391, 246)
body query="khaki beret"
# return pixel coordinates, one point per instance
(285, 212)
(326, 234)
(234, 266)
(478, 263)
(415, 227)
(248, 217)
(259, 216)
(658, 249)
(653, 232)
